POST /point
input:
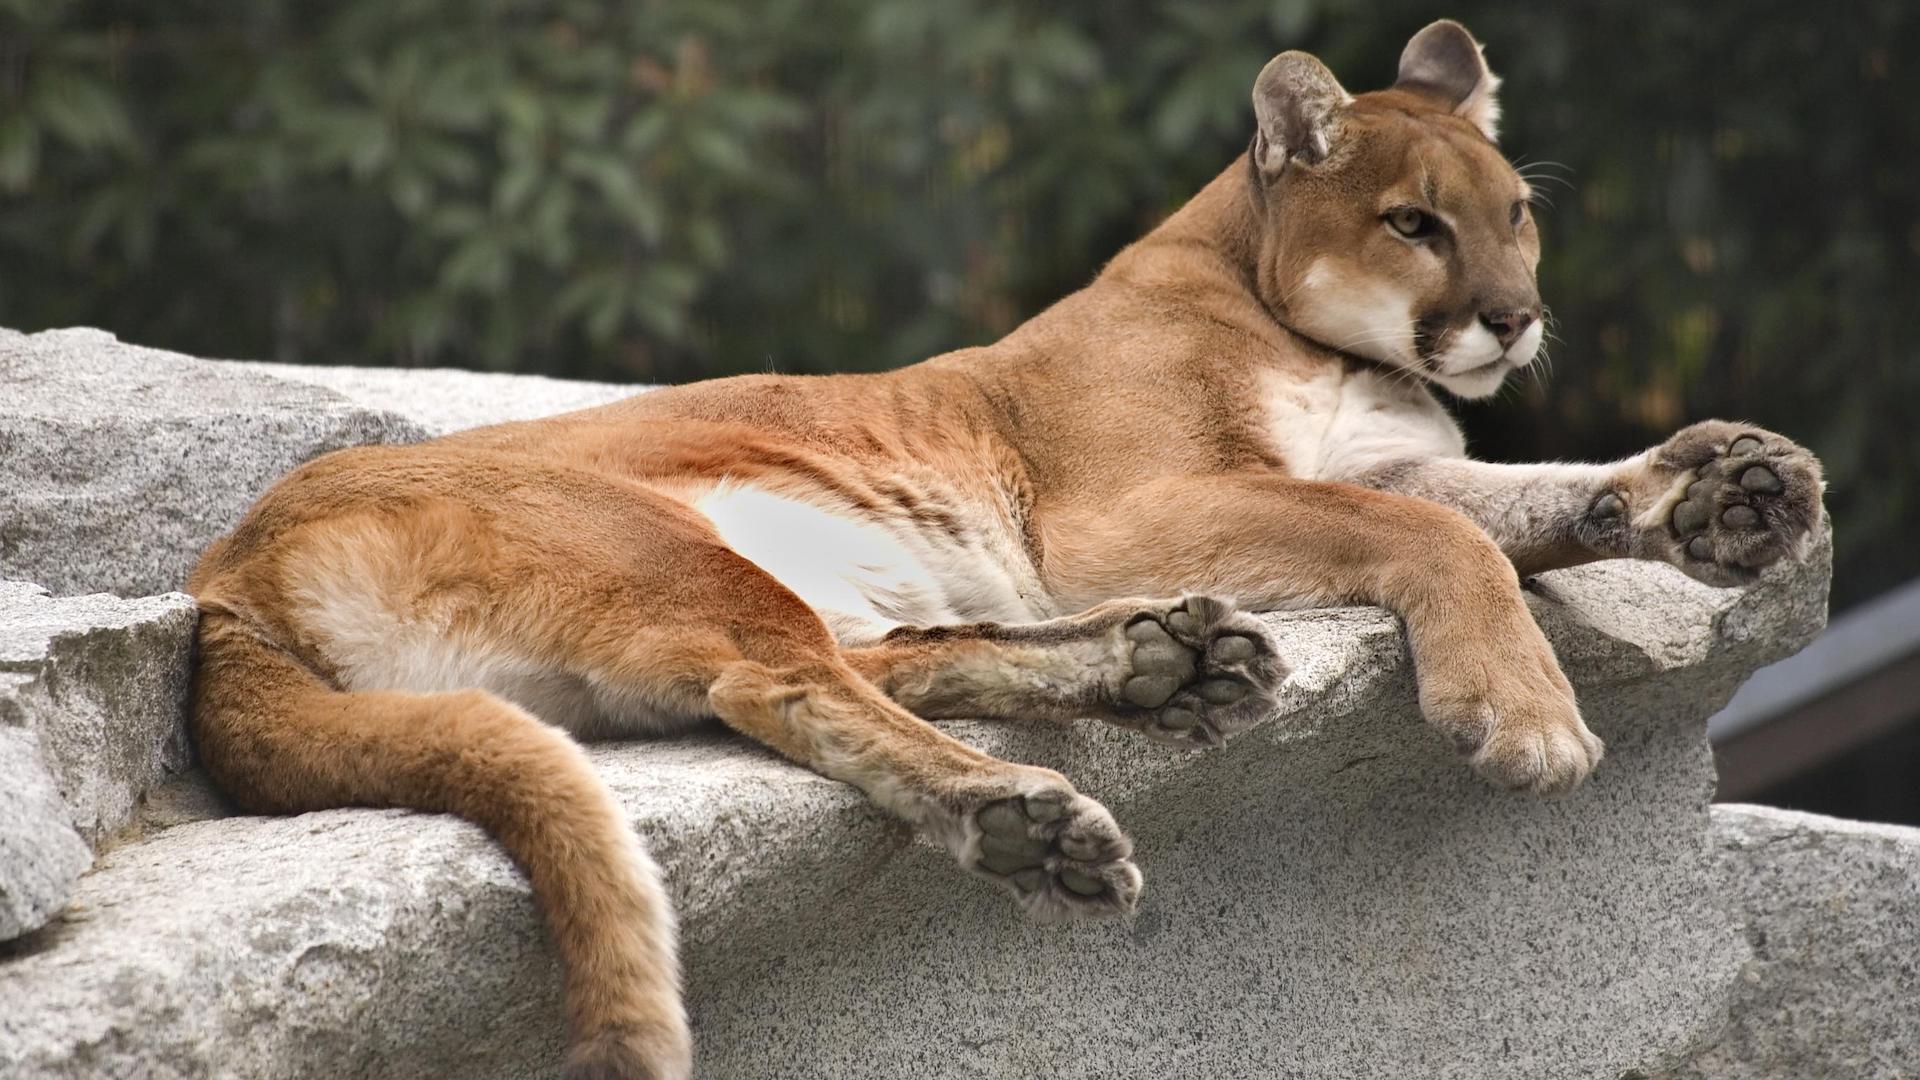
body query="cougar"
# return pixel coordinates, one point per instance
(1237, 415)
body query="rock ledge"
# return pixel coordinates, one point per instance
(1331, 896)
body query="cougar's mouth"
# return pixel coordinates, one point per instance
(1478, 368)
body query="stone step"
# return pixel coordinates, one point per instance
(1831, 912)
(92, 690)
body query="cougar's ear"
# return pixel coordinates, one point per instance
(1297, 103)
(1444, 62)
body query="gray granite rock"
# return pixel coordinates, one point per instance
(92, 693)
(442, 400)
(40, 854)
(102, 682)
(1331, 896)
(118, 464)
(1831, 910)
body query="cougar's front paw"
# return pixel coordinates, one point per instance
(1196, 671)
(1517, 724)
(1726, 501)
(1058, 851)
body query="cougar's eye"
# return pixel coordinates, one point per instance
(1410, 222)
(1519, 213)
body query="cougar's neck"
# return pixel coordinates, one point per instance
(1208, 250)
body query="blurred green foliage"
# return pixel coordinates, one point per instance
(662, 191)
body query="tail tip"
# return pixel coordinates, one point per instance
(629, 1054)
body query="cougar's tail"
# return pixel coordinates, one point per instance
(278, 738)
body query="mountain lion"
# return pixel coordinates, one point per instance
(1237, 415)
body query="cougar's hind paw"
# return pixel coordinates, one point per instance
(1058, 851)
(1197, 671)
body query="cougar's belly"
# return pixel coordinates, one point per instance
(910, 557)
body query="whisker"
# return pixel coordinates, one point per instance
(1365, 340)
(1542, 172)
(1536, 182)
(1369, 337)
(1542, 367)
(1538, 164)
(1374, 337)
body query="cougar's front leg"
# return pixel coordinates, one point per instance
(1544, 516)
(1721, 501)
(1487, 676)
(1187, 672)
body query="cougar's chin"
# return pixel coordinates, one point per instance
(1476, 382)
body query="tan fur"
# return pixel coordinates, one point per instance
(386, 624)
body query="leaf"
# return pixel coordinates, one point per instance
(357, 139)
(411, 192)
(707, 240)
(479, 264)
(19, 152)
(99, 214)
(455, 219)
(80, 110)
(720, 151)
(523, 110)
(516, 184)
(644, 132)
(617, 183)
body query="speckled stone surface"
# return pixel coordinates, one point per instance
(91, 696)
(118, 464)
(1330, 896)
(102, 681)
(40, 853)
(440, 400)
(1831, 910)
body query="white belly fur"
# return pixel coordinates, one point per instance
(863, 577)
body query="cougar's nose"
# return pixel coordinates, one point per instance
(1507, 326)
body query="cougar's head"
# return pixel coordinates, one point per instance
(1394, 229)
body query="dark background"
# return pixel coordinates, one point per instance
(661, 191)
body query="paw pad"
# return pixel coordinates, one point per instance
(1761, 479)
(1690, 517)
(1716, 494)
(1233, 649)
(1750, 498)
(1062, 854)
(1199, 670)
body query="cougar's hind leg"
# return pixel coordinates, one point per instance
(278, 738)
(650, 608)
(1186, 672)
(1024, 828)
(405, 656)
